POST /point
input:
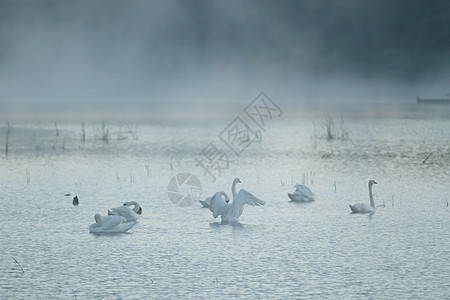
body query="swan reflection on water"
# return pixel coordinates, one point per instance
(234, 224)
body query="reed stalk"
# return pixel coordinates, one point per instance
(8, 133)
(18, 265)
(83, 132)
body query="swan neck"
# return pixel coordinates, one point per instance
(136, 206)
(233, 188)
(370, 196)
(225, 195)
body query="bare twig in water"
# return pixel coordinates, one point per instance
(8, 133)
(147, 167)
(329, 124)
(83, 132)
(307, 178)
(18, 264)
(28, 176)
(56, 129)
(315, 136)
(327, 155)
(381, 205)
(344, 133)
(334, 131)
(258, 136)
(427, 158)
(120, 136)
(104, 134)
(135, 133)
(334, 183)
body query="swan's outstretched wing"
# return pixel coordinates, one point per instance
(217, 205)
(205, 202)
(244, 197)
(123, 211)
(298, 186)
(302, 191)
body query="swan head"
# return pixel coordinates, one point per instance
(137, 208)
(372, 182)
(98, 218)
(237, 180)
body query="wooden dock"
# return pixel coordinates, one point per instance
(433, 100)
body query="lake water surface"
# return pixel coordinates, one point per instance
(284, 250)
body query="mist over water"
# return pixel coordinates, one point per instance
(200, 52)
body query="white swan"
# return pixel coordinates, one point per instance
(230, 212)
(105, 224)
(206, 202)
(126, 211)
(363, 208)
(302, 194)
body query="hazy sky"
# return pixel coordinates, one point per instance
(157, 51)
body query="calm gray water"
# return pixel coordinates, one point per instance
(282, 250)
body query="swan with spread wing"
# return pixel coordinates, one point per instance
(230, 212)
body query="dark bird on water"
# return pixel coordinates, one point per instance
(75, 200)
